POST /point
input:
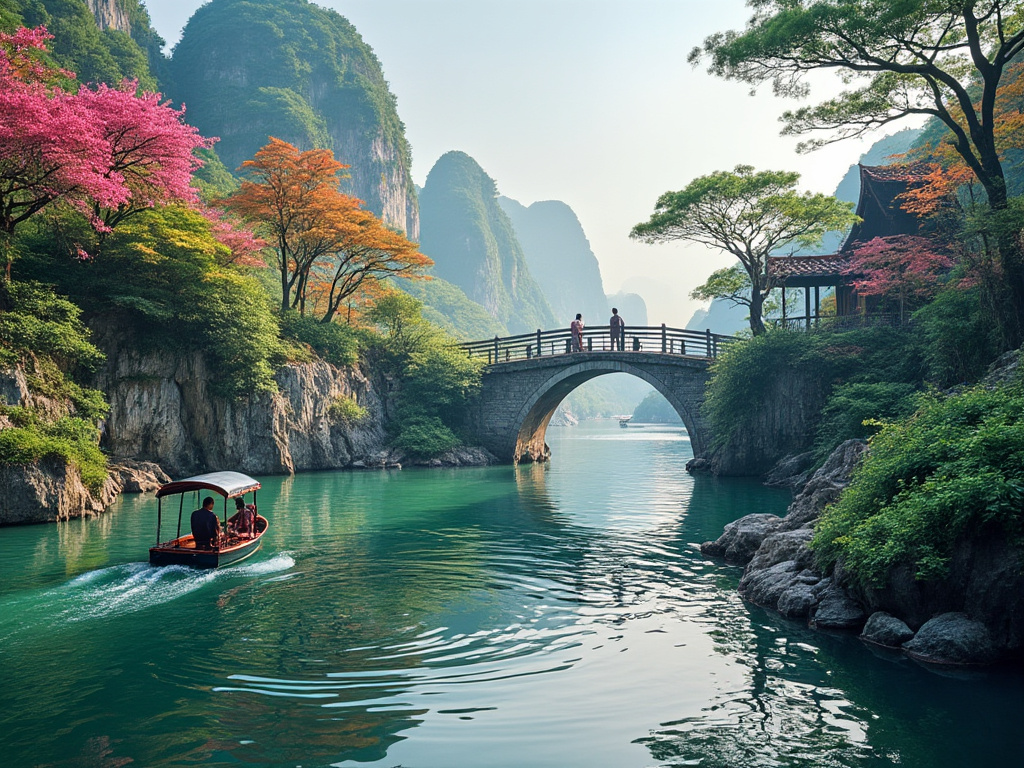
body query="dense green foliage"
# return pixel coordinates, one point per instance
(749, 374)
(96, 56)
(436, 379)
(474, 245)
(298, 72)
(42, 333)
(164, 274)
(957, 464)
(334, 342)
(71, 440)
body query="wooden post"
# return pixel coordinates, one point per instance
(817, 304)
(707, 334)
(538, 342)
(664, 339)
(495, 349)
(590, 343)
(807, 306)
(181, 508)
(159, 504)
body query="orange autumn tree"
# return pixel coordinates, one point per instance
(946, 170)
(317, 233)
(369, 252)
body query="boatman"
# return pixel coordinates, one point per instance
(205, 525)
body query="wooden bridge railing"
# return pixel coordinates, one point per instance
(658, 339)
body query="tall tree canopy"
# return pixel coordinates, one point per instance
(327, 245)
(912, 57)
(749, 214)
(108, 152)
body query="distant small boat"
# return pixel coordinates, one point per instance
(624, 421)
(232, 548)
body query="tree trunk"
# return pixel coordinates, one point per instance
(756, 307)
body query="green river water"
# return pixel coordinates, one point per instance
(554, 615)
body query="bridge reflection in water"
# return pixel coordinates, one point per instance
(529, 375)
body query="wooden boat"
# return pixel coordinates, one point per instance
(624, 421)
(182, 550)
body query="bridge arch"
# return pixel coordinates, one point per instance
(518, 398)
(537, 411)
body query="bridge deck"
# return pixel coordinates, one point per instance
(661, 340)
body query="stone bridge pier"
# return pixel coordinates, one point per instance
(518, 398)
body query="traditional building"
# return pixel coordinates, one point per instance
(881, 216)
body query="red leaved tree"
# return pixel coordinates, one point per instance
(905, 268)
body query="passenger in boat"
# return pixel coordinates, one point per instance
(243, 522)
(205, 525)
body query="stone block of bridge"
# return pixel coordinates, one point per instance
(518, 398)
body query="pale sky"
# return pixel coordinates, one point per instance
(590, 102)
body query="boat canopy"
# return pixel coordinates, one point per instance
(227, 484)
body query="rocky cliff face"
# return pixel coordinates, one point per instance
(251, 69)
(560, 259)
(110, 14)
(161, 410)
(474, 245)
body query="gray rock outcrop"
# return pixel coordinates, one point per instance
(886, 630)
(952, 638)
(162, 411)
(48, 491)
(741, 538)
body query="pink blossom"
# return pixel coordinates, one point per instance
(246, 248)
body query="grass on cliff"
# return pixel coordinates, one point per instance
(953, 466)
(71, 440)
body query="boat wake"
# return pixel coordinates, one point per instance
(119, 590)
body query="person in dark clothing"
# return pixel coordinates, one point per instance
(617, 327)
(205, 525)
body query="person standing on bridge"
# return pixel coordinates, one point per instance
(576, 326)
(617, 328)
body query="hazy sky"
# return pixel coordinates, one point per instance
(590, 102)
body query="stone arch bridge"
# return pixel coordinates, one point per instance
(528, 376)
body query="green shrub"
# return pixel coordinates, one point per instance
(957, 463)
(959, 338)
(436, 379)
(72, 440)
(851, 405)
(334, 342)
(423, 436)
(38, 321)
(345, 410)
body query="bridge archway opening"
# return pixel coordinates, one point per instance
(536, 414)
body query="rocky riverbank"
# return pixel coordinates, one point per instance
(975, 615)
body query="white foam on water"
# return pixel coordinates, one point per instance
(130, 587)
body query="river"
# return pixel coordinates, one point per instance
(555, 615)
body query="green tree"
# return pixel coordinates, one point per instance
(435, 376)
(751, 215)
(913, 57)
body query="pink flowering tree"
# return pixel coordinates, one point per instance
(152, 149)
(230, 231)
(106, 152)
(905, 268)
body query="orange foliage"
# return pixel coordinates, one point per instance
(948, 171)
(328, 247)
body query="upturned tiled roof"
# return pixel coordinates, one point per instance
(806, 266)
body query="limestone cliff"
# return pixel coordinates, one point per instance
(474, 245)
(161, 410)
(560, 259)
(110, 14)
(251, 69)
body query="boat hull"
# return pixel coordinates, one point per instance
(183, 551)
